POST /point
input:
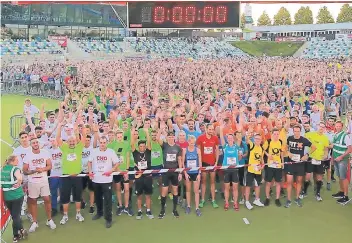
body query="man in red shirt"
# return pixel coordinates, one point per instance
(208, 144)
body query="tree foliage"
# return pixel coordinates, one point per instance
(243, 21)
(345, 14)
(324, 16)
(264, 19)
(283, 17)
(304, 15)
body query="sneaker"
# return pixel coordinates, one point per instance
(161, 214)
(175, 214)
(139, 215)
(83, 205)
(97, 216)
(15, 239)
(214, 204)
(288, 204)
(328, 186)
(241, 201)
(298, 202)
(278, 203)
(51, 224)
(318, 197)
(23, 234)
(79, 217)
(226, 206)
(258, 203)
(248, 205)
(333, 179)
(149, 214)
(236, 207)
(53, 212)
(267, 202)
(188, 210)
(198, 213)
(179, 201)
(338, 195)
(302, 195)
(33, 227)
(108, 224)
(64, 219)
(119, 211)
(128, 211)
(91, 210)
(201, 204)
(343, 200)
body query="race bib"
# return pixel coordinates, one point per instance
(155, 154)
(85, 168)
(192, 163)
(231, 161)
(256, 167)
(170, 157)
(101, 168)
(57, 166)
(71, 157)
(208, 150)
(296, 157)
(120, 158)
(316, 162)
(274, 164)
(142, 165)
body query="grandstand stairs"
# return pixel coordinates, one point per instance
(300, 51)
(74, 52)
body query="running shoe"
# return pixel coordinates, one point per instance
(302, 195)
(64, 219)
(298, 202)
(201, 204)
(338, 195)
(236, 206)
(188, 210)
(333, 179)
(175, 214)
(23, 234)
(149, 214)
(343, 200)
(119, 211)
(51, 224)
(79, 217)
(258, 203)
(161, 214)
(248, 205)
(214, 204)
(15, 239)
(128, 211)
(288, 204)
(198, 213)
(267, 202)
(328, 186)
(318, 197)
(139, 215)
(278, 203)
(242, 201)
(33, 227)
(91, 210)
(108, 224)
(226, 206)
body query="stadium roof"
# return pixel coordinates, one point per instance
(303, 27)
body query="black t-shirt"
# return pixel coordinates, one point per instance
(171, 154)
(296, 147)
(142, 161)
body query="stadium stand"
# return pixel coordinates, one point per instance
(320, 48)
(93, 46)
(23, 47)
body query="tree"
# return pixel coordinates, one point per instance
(304, 16)
(345, 14)
(324, 16)
(283, 17)
(264, 20)
(243, 21)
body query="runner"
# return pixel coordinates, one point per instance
(191, 157)
(102, 163)
(37, 163)
(243, 154)
(156, 157)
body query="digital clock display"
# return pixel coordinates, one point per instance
(183, 14)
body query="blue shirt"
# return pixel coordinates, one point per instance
(192, 160)
(230, 155)
(194, 133)
(243, 149)
(330, 88)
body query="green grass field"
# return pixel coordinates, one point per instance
(269, 48)
(323, 222)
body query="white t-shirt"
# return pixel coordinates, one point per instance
(50, 127)
(37, 161)
(32, 110)
(21, 152)
(87, 152)
(56, 161)
(103, 161)
(44, 141)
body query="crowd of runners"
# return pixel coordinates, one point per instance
(274, 124)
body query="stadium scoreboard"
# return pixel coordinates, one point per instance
(183, 15)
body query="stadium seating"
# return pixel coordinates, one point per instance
(23, 47)
(93, 46)
(189, 48)
(320, 48)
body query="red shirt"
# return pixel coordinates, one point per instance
(182, 145)
(207, 147)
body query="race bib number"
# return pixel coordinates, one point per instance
(256, 167)
(170, 157)
(316, 162)
(231, 161)
(57, 166)
(192, 163)
(155, 154)
(142, 165)
(85, 168)
(274, 164)
(101, 169)
(296, 157)
(208, 150)
(71, 157)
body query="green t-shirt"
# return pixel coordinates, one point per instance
(71, 159)
(129, 120)
(142, 135)
(132, 159)
(121, 149)
(157, 154)
(127, 136)
(7, 181)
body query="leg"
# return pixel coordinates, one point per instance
(227, 192)
(212, 185)
(98, 196)
(77, 193)
(127, 193)
(299, 180)
(289, 180)
(118, 193)
(107, 192)
(54, 186)
(196, 193)
(204, 185)
(235, 192)
(188, 184)
(267, 189)
(47, 205)
(139, 202)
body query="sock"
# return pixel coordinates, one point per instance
(140, 210)
(332, 173)
(319, 184)
(175, 201)
(306, 185)
(179, 190)
(148, 210)
(163, 202)
(130, 197)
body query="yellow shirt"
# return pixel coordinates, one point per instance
(275, 150)
(255, 158)
(283, 138)
(320, 141)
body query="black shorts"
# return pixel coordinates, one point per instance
(68, 185)
(326, 164)
(295, 169)
(144, 185)
(169, 177)
(318, 169)
(251, 179)
(131, 177)
(87, 182)
(273, 173)
(231, 175)
(193, 176)
(119, 179)
(241, 175)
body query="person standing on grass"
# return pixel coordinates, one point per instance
(102, 163)
(36, 166)
(11, 185)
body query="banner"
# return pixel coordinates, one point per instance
(59, 39)
(341, 36)
(5, 213)
(290, 39)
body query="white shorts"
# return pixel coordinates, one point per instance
(36, 190)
